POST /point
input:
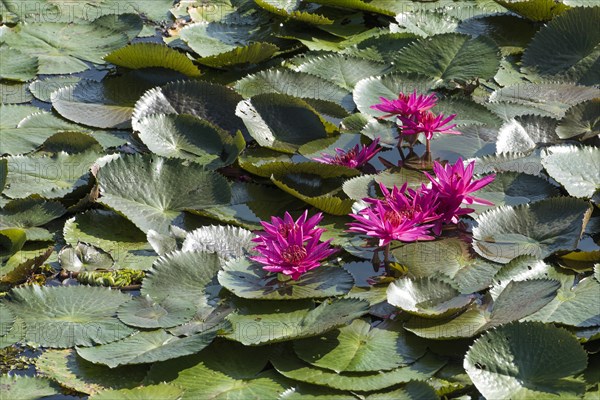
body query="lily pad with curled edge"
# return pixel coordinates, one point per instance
(152, 191)
(413, 390)
(190, 138)
(209, 101)
(84, 257)
(361, 347)
(146, 55)
(146, 347)
(290, 366)
(73, 372)
(426, 297)
(248, 280)
(66, 316)
(537, 229)
(518, 300)
(24, 262)
(513, 361)
(114, 234)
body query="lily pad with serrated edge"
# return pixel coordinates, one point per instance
(66, 316)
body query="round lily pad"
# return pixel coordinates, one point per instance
(361, 347)
(84, 257)
(66, 316)
(248, 280)
(526, 360)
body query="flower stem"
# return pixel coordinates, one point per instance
(427, 146)
(386, 259)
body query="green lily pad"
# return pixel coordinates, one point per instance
(426, 297)
(3, 173)
(538, 229)
(7, 319)
(581, 119)
(536, 10)
(184, 277)
(99, 104)
(546, 99)
(146, 347)
(447, 258)
(228, 242)
(524, 133)
(60, 317)
(513, 361)
(209, 101)
(248, 280)
(223, 370)
(527, 163)
(283, 9)
(152, 191)
(360, 347)
(411, 391)
(41, 89)
(11, 241)
(84, 257)
(114, 234)
(250, 54)
(144, 312)
(21, 264)
(572, 35)
(342, 70)
(63, 51)
(520, 300)
(573, 306)
(73, 372)
(190, 138)
(15, 335)
(145, 55)
(451, 57)
(17, 66)
(281, 122)
(27, 387)
(276, 321)
(298, 84)
(576, 168)
(292, 367)
(50, 177)
(150, 392)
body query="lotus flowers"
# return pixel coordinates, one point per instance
(452, 185)
(356, 157)
(406, 105)
(292, 247)
(399, 216)
(428, 123)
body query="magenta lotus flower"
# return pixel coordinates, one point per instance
(397, 217)
(292, 247)
(453, 185)
(427, 123)
(405, 105)
(356, 157)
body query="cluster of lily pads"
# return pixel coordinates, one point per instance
(173, 175)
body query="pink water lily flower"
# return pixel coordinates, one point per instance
(453, 185)
(406, 105)
(398, 217)
(292, 247)
(427, 123)
(356, 157)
